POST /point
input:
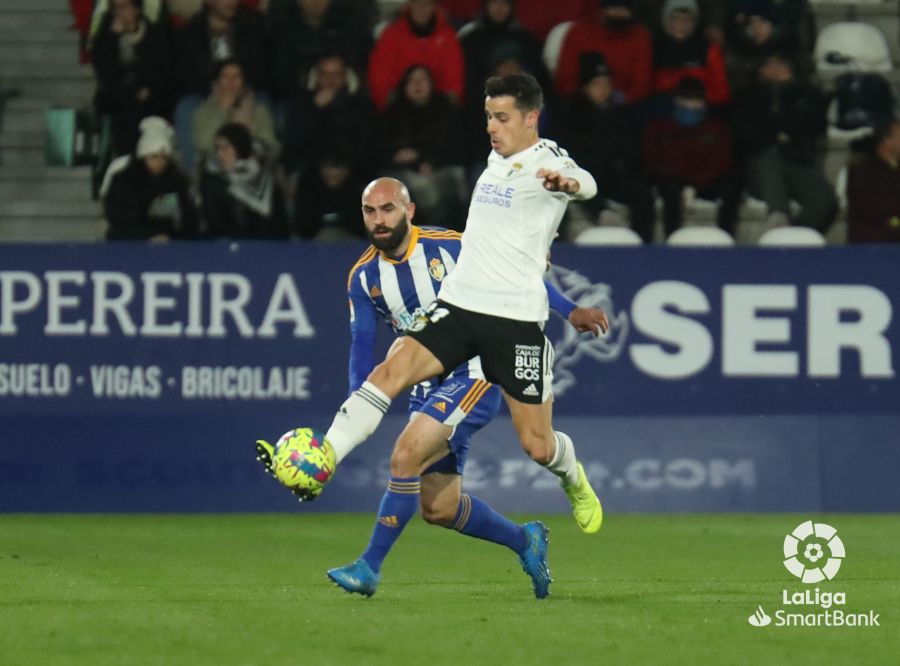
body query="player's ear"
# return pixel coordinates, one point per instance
(531, 118)
(410, 211)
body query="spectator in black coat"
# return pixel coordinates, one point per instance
(327, 202)
(222, 30)
(331, 108)
(779, 126)
(598, 135)
(133, 68)
(420, 132)
(303, 31)
(237, 189)
(147, 196)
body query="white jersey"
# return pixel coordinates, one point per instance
(512, 222)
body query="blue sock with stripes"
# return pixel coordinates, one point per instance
(475, 518)
(398, 506)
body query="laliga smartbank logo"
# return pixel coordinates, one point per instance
(813, 552)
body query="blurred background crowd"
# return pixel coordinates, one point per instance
(264, 119)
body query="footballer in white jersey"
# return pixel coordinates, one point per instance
(512, 222)
(489, 309)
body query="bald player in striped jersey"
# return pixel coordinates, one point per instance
(395, 280)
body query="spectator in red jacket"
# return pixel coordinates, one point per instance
(420, 36)
(682, 50)
(691, 149)
(873, 189)
(612, 31)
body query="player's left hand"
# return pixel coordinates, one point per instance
(556, 182)
(593, 320)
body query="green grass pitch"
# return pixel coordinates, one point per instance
(251, 589)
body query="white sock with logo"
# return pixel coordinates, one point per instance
(358, 418)
(563, 462)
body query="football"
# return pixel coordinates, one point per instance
(304, 462)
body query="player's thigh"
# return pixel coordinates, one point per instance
(439, 498)
(534, 426)
(517, 356)
(407, 362)
(423, 442)
(443, 330)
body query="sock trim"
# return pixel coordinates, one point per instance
(404, 487)
(372, 399)
(464, 511)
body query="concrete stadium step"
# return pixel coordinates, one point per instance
(42, 36)
(61, 52)
(43, 172)
(31, 5)
(30, 189)
(44, 70)
(24, 115)
(29, 18)
(51, 229)
(15, 139)
(59, 90)
(52, 208)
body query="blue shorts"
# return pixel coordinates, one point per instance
(467, 405)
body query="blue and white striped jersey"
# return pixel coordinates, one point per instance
(398, 291)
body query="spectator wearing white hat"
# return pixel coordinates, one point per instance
(146, 197)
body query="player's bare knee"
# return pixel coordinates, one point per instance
(406, 460)
(437, 513)
(387, 377)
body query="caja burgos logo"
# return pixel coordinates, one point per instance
(813, 552)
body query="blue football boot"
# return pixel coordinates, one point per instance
(534, 558)
(357, 577)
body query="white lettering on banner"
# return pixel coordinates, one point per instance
(828, 334)
(294, 312)
(9, 305)
(161, 295)
(57, 302)
(154, 302)
(245, 383)
(35, 380)
(120, 381)
(118, 305)
(743, 329)
(651, 312)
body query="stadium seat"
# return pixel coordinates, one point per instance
(553, 45)
(840, 187)
(850, 46)
(792, 237)
(700, 236)
(608, 236)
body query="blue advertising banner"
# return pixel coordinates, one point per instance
(136, 377)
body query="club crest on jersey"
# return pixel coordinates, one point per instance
(437, 270)
(515, 167)
(374, 292)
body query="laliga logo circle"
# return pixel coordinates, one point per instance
(813, 552)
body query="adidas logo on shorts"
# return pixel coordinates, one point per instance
(531, 390)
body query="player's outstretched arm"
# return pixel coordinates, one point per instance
(575, 182)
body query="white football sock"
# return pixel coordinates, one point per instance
(563, 462)
(358, 418)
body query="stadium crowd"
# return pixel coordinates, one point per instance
(264, 119)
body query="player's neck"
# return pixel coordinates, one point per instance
(399, 252)
(525, 145)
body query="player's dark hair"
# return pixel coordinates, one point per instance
(523, 88)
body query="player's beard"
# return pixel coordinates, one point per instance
(392, 242)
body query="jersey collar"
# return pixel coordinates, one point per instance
(413, 241)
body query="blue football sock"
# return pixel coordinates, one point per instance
(476, 519)
(397, 507)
